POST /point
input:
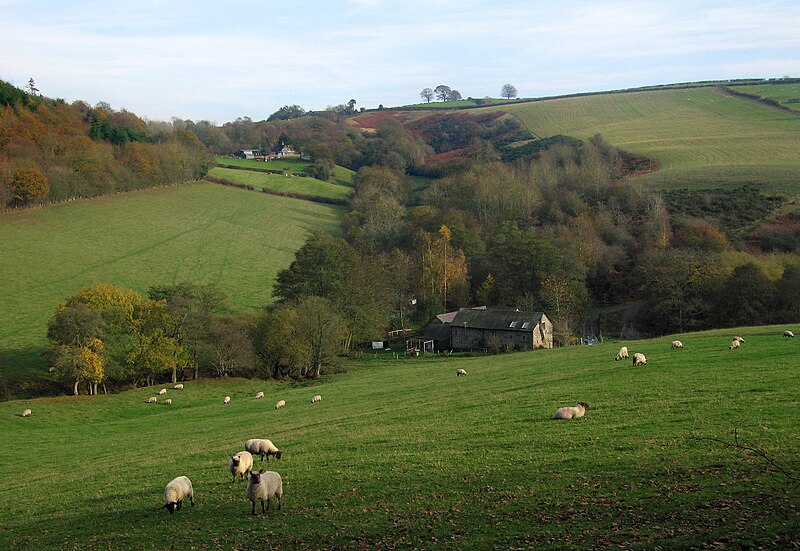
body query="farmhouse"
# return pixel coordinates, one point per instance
(286, 151)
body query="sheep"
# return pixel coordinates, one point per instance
(740, 339)
(677, 344)
(226, 399)
(316, 398)
(622, 354)
(262, 447)
(571, 412)
(51, 369)
(264, 485)
(788, 333)
(175, 492)
(168, 402)
(639, 359)
(280, 404)
(241, 464)
(26, 413)
(734, 344)
(179, 386)
(152, 400)
(259, 394)
(162, 391)
(461, 372)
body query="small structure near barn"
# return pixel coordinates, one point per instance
(438, 330)
(418, 345)
(248, 153)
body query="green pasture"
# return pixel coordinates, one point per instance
(301, 185)
(787, 95)
(202, 233)
(292, 165)
(701, 137)
(402, 453)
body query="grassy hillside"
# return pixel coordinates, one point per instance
(300, 185)
(404, 454)
(787, 95)
(203, 233)
(341, 175)
(700, 137)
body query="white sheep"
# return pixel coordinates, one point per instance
(740, 339)
(262, 447)
(226, 400)
(639, 359)
(162, 391)
(734, 344)
(175, 492)
(241, 464)
(461, 372)
(788, 333)
(51, 369)
(622, 354)
(280, 404)
(259, 394)
(568, 412)
(152, 400)
(264, 485)
(168, 402)
(179, 386)
(26, 413)
(677, 344)
(316, 398)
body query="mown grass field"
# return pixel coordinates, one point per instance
(301, 185)
(787, 95)
(401, 453)
(341, 175)
(701, 137)
(202, 233)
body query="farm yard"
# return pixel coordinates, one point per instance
(402, 453)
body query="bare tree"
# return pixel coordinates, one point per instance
(426, 94)
(508, 91)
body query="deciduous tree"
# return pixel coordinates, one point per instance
(426, 94)
(508, 91)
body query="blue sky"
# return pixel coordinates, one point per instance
(218, 60)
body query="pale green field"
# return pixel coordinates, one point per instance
(700, 137)
(787, 95)
(201, 233)
(302, 185)
(341, 175)
(405, 454)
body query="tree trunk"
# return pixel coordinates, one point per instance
(94, 389)
(105, 391)
(174, 374)
(75, 388)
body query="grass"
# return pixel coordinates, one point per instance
(341, 175)
(202, 233)
(401, 453)
(700, 137)
(301, 185)
(787, 95)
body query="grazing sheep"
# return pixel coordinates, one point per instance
(639, 359)
(226, 400)
(152, 400)
(316, 398)
(179, 386)
(264, 485)
(734, 344)
(280, 404)
(241, 464)
(571, 412)
(51, 369)
(622, 354)
(677, 344)
(740, 339)
(788, 334)
(175, 492)
(461, 372)
(168, 402)
(262, 447)
(162, 391)
(26, 413)
(259, 394)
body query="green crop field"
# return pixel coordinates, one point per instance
(301, 185)
(202, 233)
(402, 453)
(787, 95)
(701, 137)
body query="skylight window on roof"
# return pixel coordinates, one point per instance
(513, 324)
(526, 325)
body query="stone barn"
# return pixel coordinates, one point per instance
(503, 328)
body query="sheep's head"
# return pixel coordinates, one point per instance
(584, 405)
(278, 454)
(170, 507)
(255, 478)
(235, 460)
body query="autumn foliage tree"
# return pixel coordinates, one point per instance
(28, 185)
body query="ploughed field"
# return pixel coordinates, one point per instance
(201, 233)
(404, 453)
(701, 138)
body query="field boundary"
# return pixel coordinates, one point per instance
(264, 170)
(303, 197)
(768, 102)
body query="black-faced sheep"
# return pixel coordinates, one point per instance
(568, 412)
(461, 372)
(262, 447)
(262, 486)
(162, 391)
(179, 386)
(639, 359)
(677, 344)
(316, 399)
(226, 400)
(175, 492)
(168, 402)
(788, 334)
(259, 394)
(734, 344)
(241, 464)
(622, 354)
(152, 400)
(26, 413)
(280, 404)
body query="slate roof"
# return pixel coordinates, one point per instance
(497, 319)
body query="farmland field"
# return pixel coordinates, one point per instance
(301, 185)
(401, 453)
(201, 233)
(787, 95)
(341, 175)
(700, 137)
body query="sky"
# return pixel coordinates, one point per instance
(219, 60)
